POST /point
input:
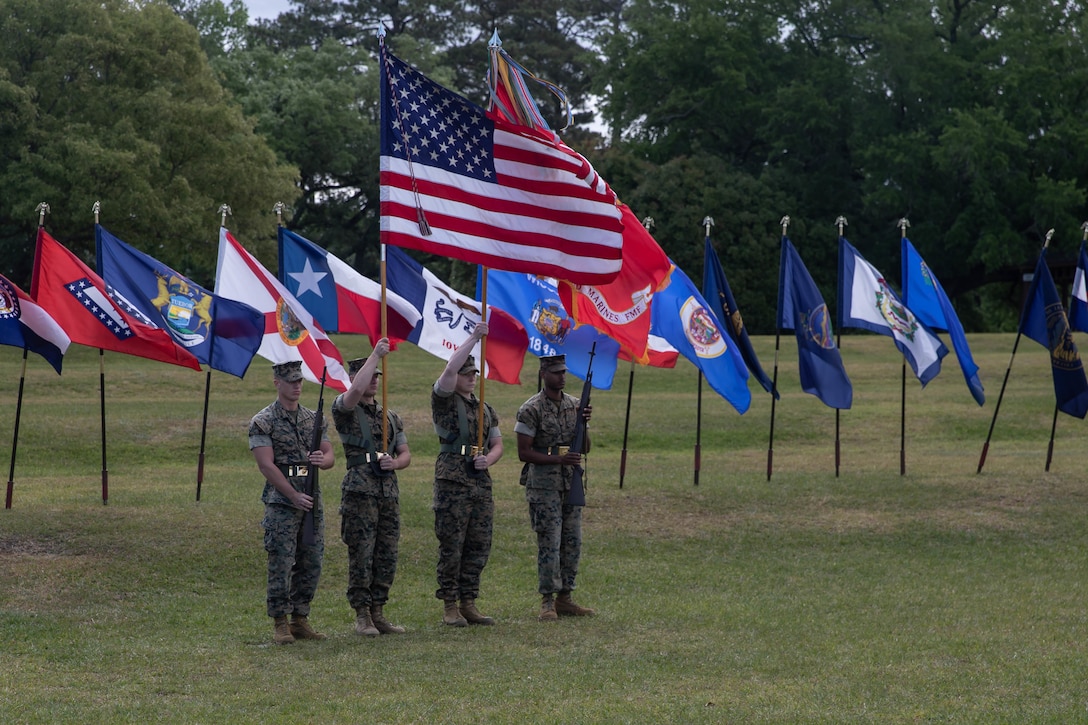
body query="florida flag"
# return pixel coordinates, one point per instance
(448, 317)
(339, 298)
(290, 332)
(24, 324)
(867, 302)
(81, 302)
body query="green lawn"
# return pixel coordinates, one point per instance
(941, 595)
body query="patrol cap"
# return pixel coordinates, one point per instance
(288, 371)
(357, 364)
(469, 366)
(553, 364)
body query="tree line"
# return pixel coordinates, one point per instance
(962, 116)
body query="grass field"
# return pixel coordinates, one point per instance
(941, 595)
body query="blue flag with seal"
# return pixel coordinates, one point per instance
(534, 302)
(717, 292)
(801, 308)
(868, 303)
(221, 333)
(1045, 322)
(679, 314)
(923, 294)
(1078, 304)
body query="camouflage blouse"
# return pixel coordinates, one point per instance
(549, 423)
(451, 465)
(360, 478)
(289, 433)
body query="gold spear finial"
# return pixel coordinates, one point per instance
(42, 210)
(223, 211)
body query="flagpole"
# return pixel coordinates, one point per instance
(785, 222)
(42, 210)
(15, 434)
(903, 224)
(1054, 423)
(384, 333)
(626, 421)
(482, 363)
(841, 224)
(1005, 381)
(707, 222)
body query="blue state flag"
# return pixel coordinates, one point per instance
(867, 302)
(801, 308)
(1045, 322)
(923, 294)
(1078, 304)
(717, 292)
(221, 333)
(534, 302)
(679, 314)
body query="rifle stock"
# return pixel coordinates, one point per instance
(311, 483)
(577, 494)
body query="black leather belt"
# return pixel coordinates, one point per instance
(295, 471)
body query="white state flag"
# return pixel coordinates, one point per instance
(290, 330)
(870, 304)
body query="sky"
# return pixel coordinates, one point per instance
(266, 8)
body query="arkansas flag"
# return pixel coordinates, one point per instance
(339, 298)
(621, 308)
(290, 332)
(448, 317)
(24, 324)
(81, 303)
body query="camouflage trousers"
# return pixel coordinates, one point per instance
(463, 519)
(293, 571)
(370, 526)
(558, 528)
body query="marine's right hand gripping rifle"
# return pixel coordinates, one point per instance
(577, 494)
(310, 485)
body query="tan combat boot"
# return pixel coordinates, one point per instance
(382, 624)
(547, 609)
(282, 633)
(566, 607)
(364, 623)
(451, 615)
(301, 629)
(472, 614)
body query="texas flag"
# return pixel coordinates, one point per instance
(89, 311)
(290, 332)
(24, 324)
(339, 298)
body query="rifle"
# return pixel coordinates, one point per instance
(310, 485)
(577, 494)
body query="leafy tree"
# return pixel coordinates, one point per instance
(115, 102)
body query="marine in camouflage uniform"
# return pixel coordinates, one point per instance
(369, 501)
(545, 428)
(463, 506)
(279, 437)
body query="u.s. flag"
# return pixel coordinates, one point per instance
(460, 183)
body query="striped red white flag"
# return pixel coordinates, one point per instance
(461, 184)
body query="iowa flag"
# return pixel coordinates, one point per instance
(89, 311)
